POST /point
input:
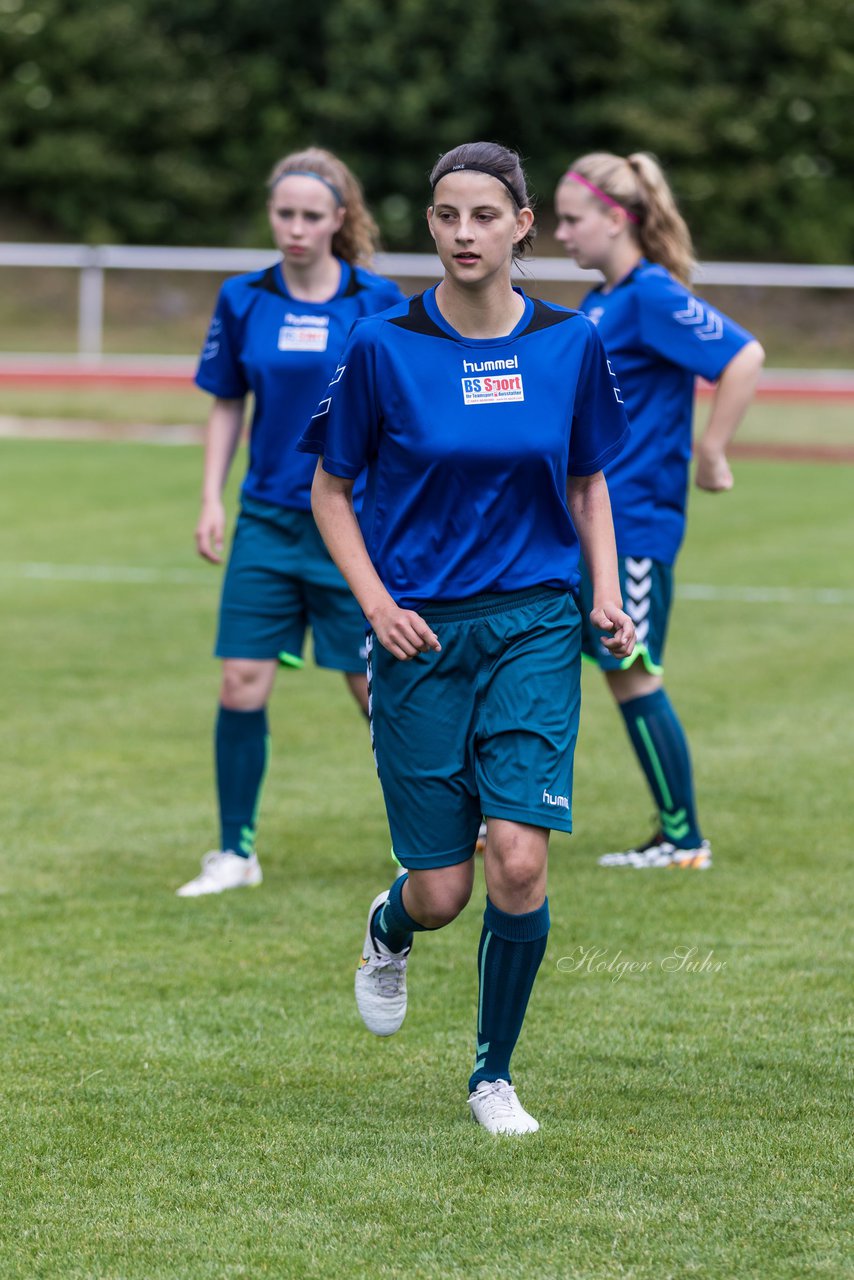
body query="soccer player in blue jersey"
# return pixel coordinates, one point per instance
(619, 216)
(278, 334)
(484, 420)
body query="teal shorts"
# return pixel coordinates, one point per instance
(647, 590)
(280, 582)
(486, 727)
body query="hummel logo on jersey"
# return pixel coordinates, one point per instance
(492, 389)
(707, 324)
(309, 321)
(562, 802)
(304, 333)
(489, 366)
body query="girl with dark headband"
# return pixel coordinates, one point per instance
(278, 334)
(618, 215)
(484, 420)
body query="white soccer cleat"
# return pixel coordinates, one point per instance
(222, 869)
(480, 843)
(381, 982)
(494, 1105)
(661, 853)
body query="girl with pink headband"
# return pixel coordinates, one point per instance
(618, 216)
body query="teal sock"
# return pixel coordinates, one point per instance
(510, 953)
(392, 924)
(241, 744)
(662, 751)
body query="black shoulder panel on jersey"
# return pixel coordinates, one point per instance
(353, 285)
(417, 320)
(269, 283)
(544, 317)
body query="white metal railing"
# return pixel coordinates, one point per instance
(93, 260)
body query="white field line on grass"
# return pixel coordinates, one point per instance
(130, 575)
(765, 595)
(113, 574)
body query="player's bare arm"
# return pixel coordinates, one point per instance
(225, 423)
(590, 508)
(733, 394)
(402, 631)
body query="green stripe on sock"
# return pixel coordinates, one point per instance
(268, 748)
(655, 762)
(486, 943)
(247, 834)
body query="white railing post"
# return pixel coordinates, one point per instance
(90, 308)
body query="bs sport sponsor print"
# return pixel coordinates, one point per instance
(304, 333)
(492, 381)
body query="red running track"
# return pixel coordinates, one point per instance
(58, 371)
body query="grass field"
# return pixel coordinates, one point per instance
(821, 422)
(188, 1092)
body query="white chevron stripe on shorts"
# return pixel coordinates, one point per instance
(369, 653)
(638, 588)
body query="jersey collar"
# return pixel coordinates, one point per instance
(626, 279)
(440, 322)
(274, 280)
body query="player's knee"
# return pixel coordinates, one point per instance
(245, 685)
(521, 879)
(435, 902)
(633, 682)
(516, 865)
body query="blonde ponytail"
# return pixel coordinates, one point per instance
(664, 234)
(639, 186)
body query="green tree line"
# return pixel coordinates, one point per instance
(156, 121)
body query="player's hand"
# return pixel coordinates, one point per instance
(712, 470)
(610, 617)
(210, 531)
(404, 633)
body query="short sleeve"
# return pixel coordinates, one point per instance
(344, 427)
(389, 295)
(219, 370)
(599, 425)
(686, 330)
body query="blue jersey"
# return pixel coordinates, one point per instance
(284, 351)
(658, 337)
(468, 444)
